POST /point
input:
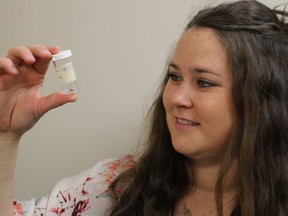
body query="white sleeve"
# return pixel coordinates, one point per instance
(88, 193)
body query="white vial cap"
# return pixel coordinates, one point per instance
(61, 55)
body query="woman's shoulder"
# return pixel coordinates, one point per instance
(114, 165)
(107, 170)
(90, 191)
(101, 175)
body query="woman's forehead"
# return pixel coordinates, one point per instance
(201, 47)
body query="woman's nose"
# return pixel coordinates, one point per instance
(182, 96)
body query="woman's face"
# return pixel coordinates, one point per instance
(197, 98)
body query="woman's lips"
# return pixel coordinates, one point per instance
(183, 121)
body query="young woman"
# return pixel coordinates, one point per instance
(218, 138)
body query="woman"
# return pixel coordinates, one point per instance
(218, 139)
(253, 161)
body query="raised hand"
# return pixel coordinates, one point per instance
(22, 74)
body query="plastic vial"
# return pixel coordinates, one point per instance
(65, 71)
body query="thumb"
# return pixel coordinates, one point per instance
(53, 101)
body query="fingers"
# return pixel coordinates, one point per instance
(7, 66)
(54, 49)
(42, 56)
(20, 54)
(37, 56)
(54, 100)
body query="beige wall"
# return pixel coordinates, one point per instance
(119, 50)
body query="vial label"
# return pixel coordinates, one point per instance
(65, 73)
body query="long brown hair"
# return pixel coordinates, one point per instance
(256, 40)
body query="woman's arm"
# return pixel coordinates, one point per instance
(8, 150)
(22, 74)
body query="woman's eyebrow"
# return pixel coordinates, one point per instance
(205, 70)
(175, 66)
(196, 70)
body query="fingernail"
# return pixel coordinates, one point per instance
(14, 70)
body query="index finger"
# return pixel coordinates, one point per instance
(35, 55)
(43, 56)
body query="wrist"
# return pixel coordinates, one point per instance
(9, 138)
(9, 143)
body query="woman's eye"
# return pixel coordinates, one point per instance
(174, 76)
(204, 84)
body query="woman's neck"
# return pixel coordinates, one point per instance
(205, 176)
(201, 199)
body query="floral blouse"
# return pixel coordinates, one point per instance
(88, 193)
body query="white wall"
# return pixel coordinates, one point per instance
(119, 50)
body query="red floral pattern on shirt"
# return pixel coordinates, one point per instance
(85, 194)
(18, 210)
